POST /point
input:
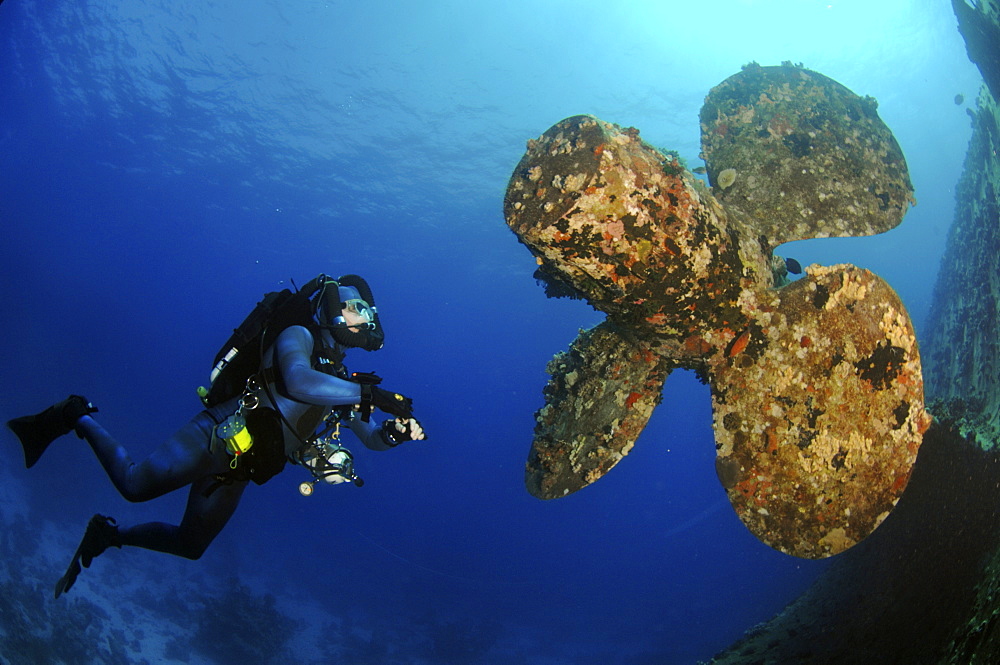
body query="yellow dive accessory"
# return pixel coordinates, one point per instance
(233, 430)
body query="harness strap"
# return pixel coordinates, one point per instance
(366, 402)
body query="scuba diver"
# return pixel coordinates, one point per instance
(279, 393)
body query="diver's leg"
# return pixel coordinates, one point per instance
(176, 463)
(204, 518)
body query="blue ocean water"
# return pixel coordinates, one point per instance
(163, 164)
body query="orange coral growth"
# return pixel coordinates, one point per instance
(755, 490)
(695, 345)
(740, 344)
(747, 487)
(772, 441)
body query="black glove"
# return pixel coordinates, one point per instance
(392, 403)
(393, 435)
(373, 396)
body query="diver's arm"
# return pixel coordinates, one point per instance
(293, 354)
(378, 437)
(369, 433)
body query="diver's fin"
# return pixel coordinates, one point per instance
(101, 533)
(38, 431)
(818, 412)
(598, 401)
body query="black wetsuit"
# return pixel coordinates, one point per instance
(190, 458)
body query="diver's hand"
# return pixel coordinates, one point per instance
(415, 428)
(402, 429)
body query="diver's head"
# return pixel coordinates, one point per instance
(346, 308)
(355, 313)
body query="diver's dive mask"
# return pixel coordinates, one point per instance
(352, 293)
(364, 311)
